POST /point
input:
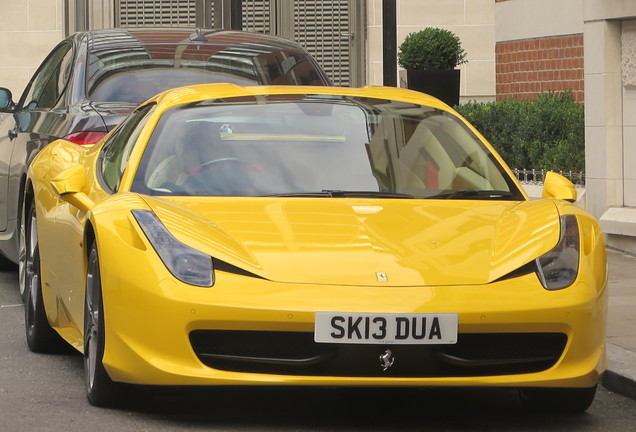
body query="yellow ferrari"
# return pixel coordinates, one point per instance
(315, 236)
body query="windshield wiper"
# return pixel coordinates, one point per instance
(334, 193)
(299, 194)
(329, 193)
(472, 194)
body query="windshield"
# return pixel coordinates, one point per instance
(318, 145)
(138, 73)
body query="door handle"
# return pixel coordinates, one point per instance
(13, 133)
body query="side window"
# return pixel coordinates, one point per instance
(49, 81)
(116, 151)
(61, 76)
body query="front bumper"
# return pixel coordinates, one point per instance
(153, 320)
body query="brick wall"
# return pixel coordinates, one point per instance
(526, 68)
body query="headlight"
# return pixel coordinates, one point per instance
(559, 267)
(185, 263)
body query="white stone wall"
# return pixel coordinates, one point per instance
(529, 19)
(628, 74)
(628, 54)
(28, 31)
(472, 20)
(610, 118)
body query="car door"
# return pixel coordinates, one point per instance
(34, 123)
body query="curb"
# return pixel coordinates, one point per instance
(620, 376)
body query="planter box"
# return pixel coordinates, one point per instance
(443, 84)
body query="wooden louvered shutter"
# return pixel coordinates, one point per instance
(257, 16)
(157, 13)
(322, 27)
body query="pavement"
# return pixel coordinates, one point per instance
(620, 376)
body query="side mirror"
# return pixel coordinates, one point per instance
(557, 186)
(6, 100)
(69, 185)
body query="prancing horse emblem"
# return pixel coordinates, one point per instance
(386, 360)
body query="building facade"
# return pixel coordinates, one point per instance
(473, 21)
(344, 35)
(610, 117)
(539, 48)
(589, 48)
(28, 31)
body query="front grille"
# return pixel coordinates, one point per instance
(289, 353)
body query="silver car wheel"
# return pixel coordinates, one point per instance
(92, 321)
(31, 269)
(100, 389)
(22, 258)
(39, 334)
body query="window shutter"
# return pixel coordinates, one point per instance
(256, 16)
(157, 13)
(322, 27)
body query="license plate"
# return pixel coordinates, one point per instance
(385, 328)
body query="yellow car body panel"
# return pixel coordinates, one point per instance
(438, 256)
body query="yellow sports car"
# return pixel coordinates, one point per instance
(226, 235)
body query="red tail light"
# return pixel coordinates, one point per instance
(85, 138)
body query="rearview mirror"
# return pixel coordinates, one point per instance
(69, 185)
(6, 100)
(557, 186)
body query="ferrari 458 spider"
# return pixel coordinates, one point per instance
(227, 235)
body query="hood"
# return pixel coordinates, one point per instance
(365, 242)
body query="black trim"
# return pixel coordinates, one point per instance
(296, 353)
(219, 265)
(526, 269)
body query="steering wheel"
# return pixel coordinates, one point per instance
(211, 163)
(222, 176)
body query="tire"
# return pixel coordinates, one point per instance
(563, 400)
(100, 389)
(41, 338)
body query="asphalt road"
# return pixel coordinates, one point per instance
(46, 393)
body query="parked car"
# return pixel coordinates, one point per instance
(227, 235)
(91, 80)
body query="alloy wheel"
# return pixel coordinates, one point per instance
(22, 257)
(31, 269)
(91, 329)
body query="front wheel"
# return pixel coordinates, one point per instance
(40, 336)
(100, 389)
(22, 257)
(565, 400)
